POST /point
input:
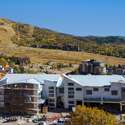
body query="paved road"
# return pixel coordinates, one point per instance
(17, 123)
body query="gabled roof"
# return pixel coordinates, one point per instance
(28, 78)
(96, 80)
(83, 80)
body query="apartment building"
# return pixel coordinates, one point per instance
(27, 92)
(23, 98)
(98, 90)
(63, 91)
(92, 67)
(19, 98)
(49, 89)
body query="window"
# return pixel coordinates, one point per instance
(114, 92)
(78, 89)
(51, 100)
(61, 90)
(51, 95)
(123, 89)
(89, 92)
(70, 84)
(51, 91)
(51, 87)
(71, 92)
(70, 96)
(70, 89)
(95, 89)
(107, 89)
(71, 102)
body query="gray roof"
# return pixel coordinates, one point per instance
(29, 78)
(83, 80)
(97, 80)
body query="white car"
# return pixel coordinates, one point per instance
(42, 123)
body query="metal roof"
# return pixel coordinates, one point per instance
(97, 80)
(83, 80)
(29, 78)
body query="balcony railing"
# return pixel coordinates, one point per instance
(112, 99)
(92, 99)
(102, 99)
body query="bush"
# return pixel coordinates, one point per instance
(91, 116)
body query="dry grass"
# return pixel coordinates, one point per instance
(44, 55)
(6, 32)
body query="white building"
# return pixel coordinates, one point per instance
(101, 89)
(67, 91)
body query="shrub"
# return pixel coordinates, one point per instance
(91, 116)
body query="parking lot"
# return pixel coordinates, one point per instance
(49, 118)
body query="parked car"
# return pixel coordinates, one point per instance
(53, 122)
(61, 121)
(42, 123)
(37, 120)
(10, 120)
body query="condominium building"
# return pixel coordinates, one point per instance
(61, 91)
(27, 92)
(19, 98)
(92, 67)
(98, 90)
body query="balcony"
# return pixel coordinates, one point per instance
(105, 100)
(112, 100)
(92, 99)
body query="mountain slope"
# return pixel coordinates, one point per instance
(18, 39)
(32, 36)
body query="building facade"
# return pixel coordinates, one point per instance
(19, 98)
(28, 92)
(106, 95)
(92, 67)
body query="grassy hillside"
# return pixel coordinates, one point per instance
(32, 36)
(24, 40)
(44, 55)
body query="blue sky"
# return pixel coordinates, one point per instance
(78, 17)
